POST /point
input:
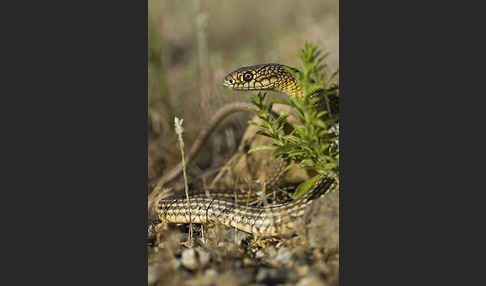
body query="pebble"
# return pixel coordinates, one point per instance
(247, 261)
(189, 259)
(283, 256)
(204, 256)
(310, 281)
(270, 276)
(259, 254)
(194, 258)
(153, 274)
(210, 273)
(302, 270)
(176, 262)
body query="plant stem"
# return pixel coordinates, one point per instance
(179, 130)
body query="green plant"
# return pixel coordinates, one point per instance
(313, 145)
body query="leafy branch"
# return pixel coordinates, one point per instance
(314, 144)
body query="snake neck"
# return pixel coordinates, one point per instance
(290, 87)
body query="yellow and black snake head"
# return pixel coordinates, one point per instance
(262, 77)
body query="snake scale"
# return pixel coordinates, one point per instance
(274, 220)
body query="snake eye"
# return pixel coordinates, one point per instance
(248, 76)
(230, 81)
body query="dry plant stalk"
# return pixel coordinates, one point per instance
(179, 130)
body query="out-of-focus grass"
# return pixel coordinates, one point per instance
(193, 44)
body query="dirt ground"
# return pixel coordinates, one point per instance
(223, 256)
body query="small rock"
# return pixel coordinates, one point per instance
(176, 262)
(204, 256)
(322, 267)
(189, 259)
(210, 273)
(247, 261)
(259, 254)
(311, 281)
(302, 270)
(261, 275)
(270, 276)
(283, 256)
(194, 258)
(153, 274)
(271, 251)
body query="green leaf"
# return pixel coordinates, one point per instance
(263, 133)
(305, 186)
(251, 122)
(320, 123)
(321, 114)
(260, 148)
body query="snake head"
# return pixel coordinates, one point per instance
(258, 77)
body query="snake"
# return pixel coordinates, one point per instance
(267, 221)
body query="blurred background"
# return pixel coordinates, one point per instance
(193, 44)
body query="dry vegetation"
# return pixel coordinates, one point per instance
(192, 45)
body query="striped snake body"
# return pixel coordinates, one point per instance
(274, 220)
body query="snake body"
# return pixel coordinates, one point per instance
(262, 221)
(275, 220)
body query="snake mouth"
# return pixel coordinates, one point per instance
(227, 84)
(258, 85)
(248, 87)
